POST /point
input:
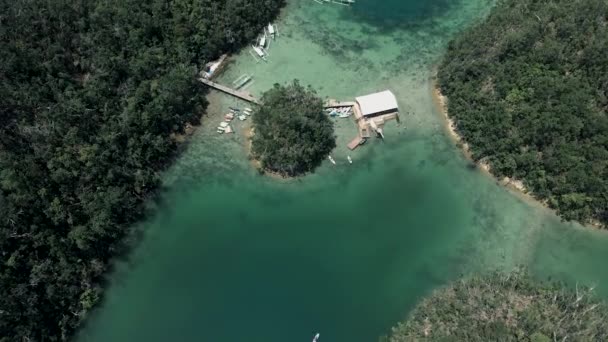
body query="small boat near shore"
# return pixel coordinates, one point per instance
(316, 338)
(350, 160)
(223, 128)
(332, 160)
(260, 52)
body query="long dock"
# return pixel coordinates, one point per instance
(240, 94)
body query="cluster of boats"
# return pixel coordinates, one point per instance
(333, 161)
(341, 2)
(263, 43)
(224, 126)
(341, 112)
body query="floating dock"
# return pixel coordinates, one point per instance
(241, 81)
(233, 92)
(355, 143)
(331, 103)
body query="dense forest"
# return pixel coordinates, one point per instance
(292, 132)
(506, 307)
(91, 93)
(528, 90)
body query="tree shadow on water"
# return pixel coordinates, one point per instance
(389, 15)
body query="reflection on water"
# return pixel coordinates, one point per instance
(389, 15)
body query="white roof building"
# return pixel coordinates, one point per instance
(378, 103)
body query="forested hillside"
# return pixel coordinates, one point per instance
(506, 307)
(528, 90)
(90, 94)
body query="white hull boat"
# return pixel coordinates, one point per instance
(259, 52)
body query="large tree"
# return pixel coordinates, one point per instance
(292, 132)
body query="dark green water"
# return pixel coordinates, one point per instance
(347, 251)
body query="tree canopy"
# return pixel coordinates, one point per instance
(91, 93)
(528, 90)
(292, 132)
(506, 307)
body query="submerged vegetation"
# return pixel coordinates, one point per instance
(527, 89)
(509, 307)
(292, 133)
(91, 93)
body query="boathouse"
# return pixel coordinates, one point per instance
(373, 111)
(382, 103)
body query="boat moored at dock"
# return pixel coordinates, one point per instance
(260, 52)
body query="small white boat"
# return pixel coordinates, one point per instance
(332, 160)
(247, 109)
(350, 160)
(316, 338)
(259, 52)
(262, 43)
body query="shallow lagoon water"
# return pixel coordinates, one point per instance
(232, 255)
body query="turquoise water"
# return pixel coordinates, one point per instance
(232, 255)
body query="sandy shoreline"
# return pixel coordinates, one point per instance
(256, 164)
(516, 186)
(441, 102)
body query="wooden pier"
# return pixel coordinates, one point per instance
(240, 94)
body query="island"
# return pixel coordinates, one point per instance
(292, 132)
